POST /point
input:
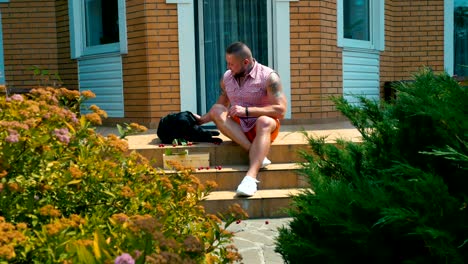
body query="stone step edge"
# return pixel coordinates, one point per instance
(242, 168)
(203, 145)
(259, 195)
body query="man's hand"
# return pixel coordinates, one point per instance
(237, 110)
(199, 119)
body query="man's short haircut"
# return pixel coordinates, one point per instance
(240, 50)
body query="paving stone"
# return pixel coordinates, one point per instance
(255, 237)
(272, 257)
(252, 256)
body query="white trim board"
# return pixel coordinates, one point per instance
(448, 36)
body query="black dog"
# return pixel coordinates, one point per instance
(183, 125)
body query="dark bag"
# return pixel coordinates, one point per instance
(183, 126)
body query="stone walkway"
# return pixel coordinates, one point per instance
(255, 239)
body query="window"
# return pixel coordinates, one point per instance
(361, 24)
(97, 26)
(356, 20)
(460, 37)
(102, 22)
(219, 23)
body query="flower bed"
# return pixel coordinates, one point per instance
(70, 195)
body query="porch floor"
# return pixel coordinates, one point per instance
(289, 134)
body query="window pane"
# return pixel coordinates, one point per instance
(356, 19)
(226, 21)
(102, 22)
(461, 38)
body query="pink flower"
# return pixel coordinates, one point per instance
(17, 97)
(125, 258)
(74, 119)
(62, 134)
(13, 136)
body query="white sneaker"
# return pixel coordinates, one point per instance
(265, 162)
(247, 187)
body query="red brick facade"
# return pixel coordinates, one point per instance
(414, 32)
(37, 33)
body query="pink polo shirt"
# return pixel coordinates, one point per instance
(253, 91)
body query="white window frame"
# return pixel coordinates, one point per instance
(376, 27)
(187, 61)
(448, 36)
(78, 33)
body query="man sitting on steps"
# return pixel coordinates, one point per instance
(248, 109)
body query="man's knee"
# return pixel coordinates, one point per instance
(265, 123)
(216, 111)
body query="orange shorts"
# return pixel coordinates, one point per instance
(253, 132)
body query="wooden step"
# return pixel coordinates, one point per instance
(274, 176)
(264, 204)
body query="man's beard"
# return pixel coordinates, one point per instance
(239, 74)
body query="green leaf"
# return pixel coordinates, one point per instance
(120, 129)
(74, 182)
(109, 193)
(84, 256)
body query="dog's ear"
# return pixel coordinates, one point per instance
(214, 133)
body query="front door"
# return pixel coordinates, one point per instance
(219, 23)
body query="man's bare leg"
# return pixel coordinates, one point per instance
(259, 148)
(229, 127)
(261, 144)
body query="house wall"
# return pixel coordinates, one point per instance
(151, 67)
(316, 65)
(414, 32)
(37, 33)
(29, 38)
(67, 68)
(137, 105)
(163, 58)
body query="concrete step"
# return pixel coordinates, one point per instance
(264, 204)
(225, 154)
(274, 176)
(278, 181)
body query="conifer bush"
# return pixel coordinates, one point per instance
(399, 196)
(71, 195)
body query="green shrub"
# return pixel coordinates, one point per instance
(401, 195)
(71, 195)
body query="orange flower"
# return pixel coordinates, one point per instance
(88, 94)
(94, 118)
(75, 172)
(127, 192)
(49, 210)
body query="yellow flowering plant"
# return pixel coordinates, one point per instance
(71, 195)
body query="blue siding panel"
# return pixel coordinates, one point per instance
(103, 76)
(361, 74)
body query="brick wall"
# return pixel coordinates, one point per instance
(315, 59)
(163, 46)
(151, 68)
(29, 38)
(137, 105)
(414, 32)
(68, 69)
